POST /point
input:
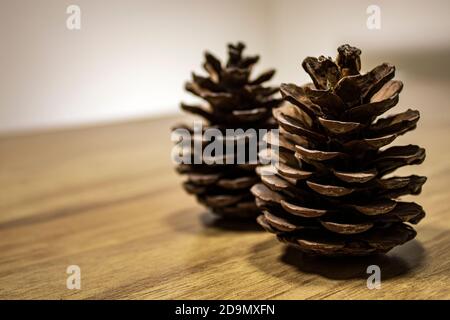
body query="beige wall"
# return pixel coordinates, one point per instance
(130, 58)
(413, 33)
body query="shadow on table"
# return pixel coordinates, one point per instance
(212, 221)
(195, 221)
(398, 262)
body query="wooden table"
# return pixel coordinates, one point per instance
(108, 200)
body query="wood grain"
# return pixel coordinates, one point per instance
(107, 199)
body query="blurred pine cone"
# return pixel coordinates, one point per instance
(233, 101)
(329, 194)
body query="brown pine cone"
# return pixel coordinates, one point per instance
(233, 101)
(330, 194)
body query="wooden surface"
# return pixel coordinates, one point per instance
(108, 200)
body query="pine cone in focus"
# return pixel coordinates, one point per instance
(233, 101)
(329, 194)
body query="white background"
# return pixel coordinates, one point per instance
(131, 58)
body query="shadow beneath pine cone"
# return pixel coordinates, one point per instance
(195, 221)
(209, 220)
(400, 261)
(396, 263)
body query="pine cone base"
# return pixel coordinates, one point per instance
(320, 242)
(225, 191)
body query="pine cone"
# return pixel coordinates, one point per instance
(233, 101)
(329, 194)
